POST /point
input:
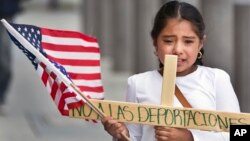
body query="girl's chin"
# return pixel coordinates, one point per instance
(181, 70)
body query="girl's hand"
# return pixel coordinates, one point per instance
(172, 134)
(115, 128)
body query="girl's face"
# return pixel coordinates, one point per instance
(178, 38)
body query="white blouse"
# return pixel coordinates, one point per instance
(205, 88)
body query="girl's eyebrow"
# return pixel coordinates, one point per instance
(189, 37)
(168, 36)
(172, 36)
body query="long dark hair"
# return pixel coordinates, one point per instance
(180, 10)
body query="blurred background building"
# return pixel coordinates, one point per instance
(122, 28)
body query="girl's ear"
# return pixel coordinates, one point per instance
(203, 41)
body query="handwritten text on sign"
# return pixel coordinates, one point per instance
(164, 116)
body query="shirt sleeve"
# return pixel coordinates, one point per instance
(135, 130)
(226, 100)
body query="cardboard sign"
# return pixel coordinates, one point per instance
(163, 115)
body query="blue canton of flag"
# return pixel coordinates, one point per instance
(33, 35)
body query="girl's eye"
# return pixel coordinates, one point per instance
(168, 41)
(188, 41)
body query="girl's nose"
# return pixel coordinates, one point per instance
(178, 49)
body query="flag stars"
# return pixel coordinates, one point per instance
(19, 29)
(36, 60)
(23, 34)
(29, 35)
(32, 30)
(30, 57)
(38, 32)
(34, 63)
(25, 29)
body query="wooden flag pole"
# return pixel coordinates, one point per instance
(41, 58)
(95, 108)
(168, 83)
(92, 106)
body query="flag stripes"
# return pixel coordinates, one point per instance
(80, 56)
(74, 62)
(69, 34)
(68, 41)
(60, 93)
(69, 48)
(93, 76)
(75, 55)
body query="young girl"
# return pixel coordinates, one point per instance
(179, 30)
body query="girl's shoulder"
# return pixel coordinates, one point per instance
(216, 72)
(145, 75)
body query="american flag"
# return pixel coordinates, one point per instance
(76, 55)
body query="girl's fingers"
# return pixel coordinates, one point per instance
(105, 119)
(113, 127)
(109, 124)
(163, 128)
(162, 133)
(162, 138)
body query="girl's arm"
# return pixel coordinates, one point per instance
(226, 100)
